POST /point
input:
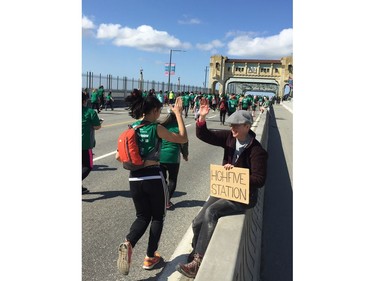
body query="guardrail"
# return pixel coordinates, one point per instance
(234, 252)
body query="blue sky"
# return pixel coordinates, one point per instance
(121, 37)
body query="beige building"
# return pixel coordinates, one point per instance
(250, 74)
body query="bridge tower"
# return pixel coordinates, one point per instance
(262, 75)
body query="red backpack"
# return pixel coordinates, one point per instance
(127, 147)
(222, 105)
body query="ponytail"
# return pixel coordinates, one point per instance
(142, 106)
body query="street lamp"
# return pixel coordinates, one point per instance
(141, 79)
(205, 78)
(170, 62)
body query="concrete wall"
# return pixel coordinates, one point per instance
(234, 252)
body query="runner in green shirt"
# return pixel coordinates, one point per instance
(101, 96)
(95, 100)
(170, 156)
(186, 103)
(232, 105)
(109, 101)
(90, 123)
(245, 103)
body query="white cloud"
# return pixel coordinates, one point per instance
(87, 23)
(189, 21)
(210, 46)
(271, 47)
(143, 37)
(108, 31)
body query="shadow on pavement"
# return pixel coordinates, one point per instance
(277, 237)
(161, 264)
(106, 195)
(189, 203)
(178, 194)
(102, 168)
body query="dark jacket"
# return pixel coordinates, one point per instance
(253, 157)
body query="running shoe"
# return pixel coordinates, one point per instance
(124, 257)
(149, 263)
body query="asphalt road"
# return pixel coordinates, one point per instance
(108, 210)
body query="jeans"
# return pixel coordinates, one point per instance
(149, 193)
(205, 222)
(186, 109)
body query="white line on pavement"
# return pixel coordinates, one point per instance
(287, 108)
(103, 156)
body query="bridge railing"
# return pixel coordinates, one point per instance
(126, 85)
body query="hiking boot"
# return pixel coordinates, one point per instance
(190, 269)
(124, 257)
(149, 263)
(191, 256)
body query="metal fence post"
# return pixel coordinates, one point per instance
(126, 86)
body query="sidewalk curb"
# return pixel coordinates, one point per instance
(179, 256)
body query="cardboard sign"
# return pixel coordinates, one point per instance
(233, 184)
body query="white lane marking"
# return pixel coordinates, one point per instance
(255, 124)
(105, 155)
(287, 108)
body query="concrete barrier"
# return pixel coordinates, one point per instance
(234, 252)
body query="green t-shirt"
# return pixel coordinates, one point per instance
(245, 103)
(197, 104)
(185, 100)
(148, 140)
(100, 92)
(170, 151)
(89, 119)
(232, 104)
(94, 96)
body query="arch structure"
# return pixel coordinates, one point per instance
(241, 75)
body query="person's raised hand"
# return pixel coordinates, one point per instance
(204, 108)
(177, 108)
